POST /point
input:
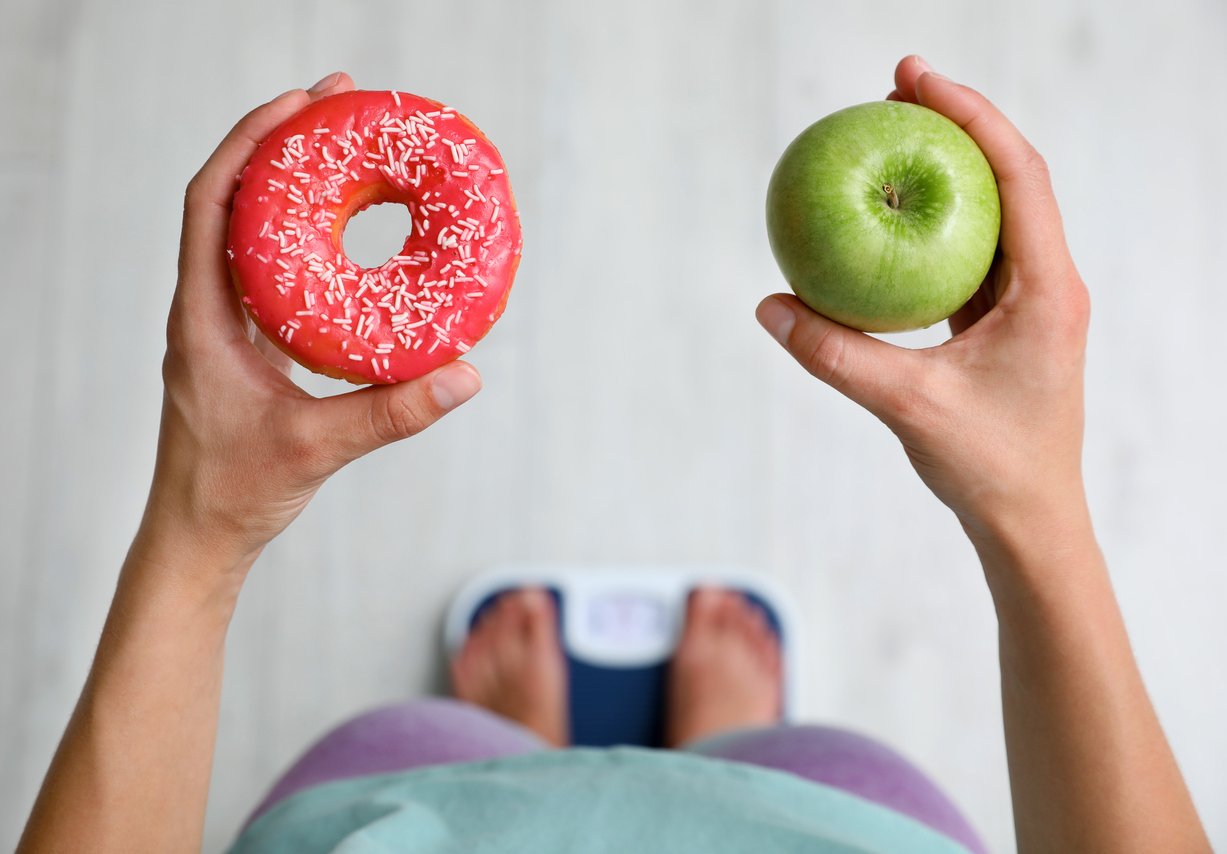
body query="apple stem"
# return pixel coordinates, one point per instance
(892, 198)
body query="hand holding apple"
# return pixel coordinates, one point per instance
(992, 419)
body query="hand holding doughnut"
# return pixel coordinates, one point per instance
(242, 448)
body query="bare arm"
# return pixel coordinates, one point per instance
(241, 451)
(1090, 769)
(992, 420)
(132, 771)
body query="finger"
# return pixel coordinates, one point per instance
(357, 423)
(869, 371)
(907, 72)
(204, 292)
(214, 185)
(894, 95)
(334, 83)
(1031, 231)
(206, 208)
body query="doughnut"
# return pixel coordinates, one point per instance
(426, 305)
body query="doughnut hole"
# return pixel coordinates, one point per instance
(373, 229)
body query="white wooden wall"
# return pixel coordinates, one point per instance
(633, 410)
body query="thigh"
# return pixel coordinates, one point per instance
(848, 761)
(432, 731)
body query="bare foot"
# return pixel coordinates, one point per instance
(512, 664)
(726, 673)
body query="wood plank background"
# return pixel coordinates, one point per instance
(633, 410)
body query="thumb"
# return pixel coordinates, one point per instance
(866, 370)
(361, 421)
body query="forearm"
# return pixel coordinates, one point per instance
(1090, 768)
(132, 771)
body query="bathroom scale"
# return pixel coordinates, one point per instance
(619, 627)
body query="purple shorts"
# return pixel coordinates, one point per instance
(437, 731)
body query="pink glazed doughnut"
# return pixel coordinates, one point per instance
(426, 305)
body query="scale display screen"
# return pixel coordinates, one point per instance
(627, 618)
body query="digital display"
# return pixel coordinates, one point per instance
(623, 618)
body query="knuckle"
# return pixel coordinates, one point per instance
(918, 402)
(826, 357)
(192, 193)
(183, 342)
(399, 416)
(176, 328)
(1080, 305)
(1035, 164)
(302, 447)
(172, 367)
(1076, 313)
(1034, 173)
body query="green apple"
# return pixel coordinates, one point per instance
(883, 216)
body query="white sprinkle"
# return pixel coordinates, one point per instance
(396, 97)
(321, 130)
(353, 356)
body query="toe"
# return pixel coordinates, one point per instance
(701, 608)
(506, 617)
(729, 611)
(542, 620)
(466, 669)
(705, 603)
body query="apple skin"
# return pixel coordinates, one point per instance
(851, 256)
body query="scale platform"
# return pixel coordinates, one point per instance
(619, 626)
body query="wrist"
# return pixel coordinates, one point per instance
(1038, 547)
(172, 557)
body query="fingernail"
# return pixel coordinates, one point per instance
(777, 318)
(283, 94)
(922, 62)
(454, 385)
(325, 83)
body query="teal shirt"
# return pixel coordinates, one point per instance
(621, 800)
